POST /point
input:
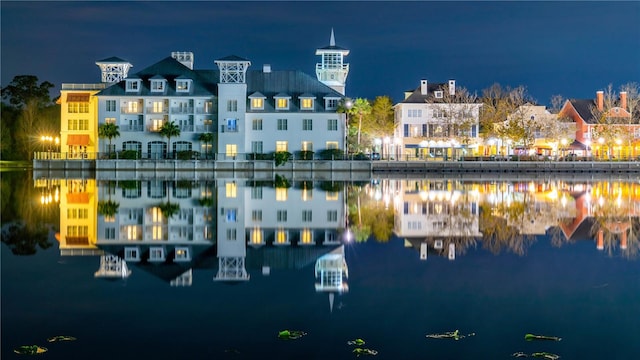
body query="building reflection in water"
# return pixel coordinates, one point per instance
(233, 228)
(230, 227)
(447, 217)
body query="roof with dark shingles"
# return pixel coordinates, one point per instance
(332, 47)
(417, 98)
(291, 82)
(232, 58)
(583, 108)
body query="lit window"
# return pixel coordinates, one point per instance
(307, 194)
(331, 145)
(256, 236)
(306, 104)
(306, 237)
(232, 125)
(257, 104)
(182, 85)
(307, 146)
(282, 103)
(282, 193)
(282, 146)
(132, 107)
(156, 124)
(231, 215)
(158, 106)
(182, 253)
(231, 190)
(156, 232)
(282, 237)
(231, 150)
(110, 120)
(331, 196)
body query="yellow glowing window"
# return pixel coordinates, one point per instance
(132, 232)
(281, 146)
(282, 194)
(281, 237)
(156, 215)
(231, 190)
(331, 196)
(331, 145)
(307, 103)
(157, 106)
(256, 236)
(306, 236)
(307, 146)
(282, 103)
(132, 107)
(257, 103)
(157, 232)
(231, 150)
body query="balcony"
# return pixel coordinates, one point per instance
(130, 128)
(152, 110)
(204, 128)
(127, 110)
(202, 110)
(182, 110)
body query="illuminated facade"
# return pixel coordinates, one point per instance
(434, 123)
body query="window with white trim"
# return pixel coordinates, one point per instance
(110, 105)
(256, 215)
(331, 104)
(257, 103)
(282, 146)
(332, 124)
(306, 103)
(256, 124)
(133, 85)
(110, 233)
(232, 105)
(257, 147)
(281, 216)
(307, 124)
(306, 216)
(157, 85)
(282, 103)
(282, 124)
(332, 215)
(183, 85)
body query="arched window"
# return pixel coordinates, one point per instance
(157, 149)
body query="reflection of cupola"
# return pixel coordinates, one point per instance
(332, 71)
(112, 267)
(331, 272)
(113, 69)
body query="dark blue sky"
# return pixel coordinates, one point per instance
(567, 48)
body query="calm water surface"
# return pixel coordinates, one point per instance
(553, 276)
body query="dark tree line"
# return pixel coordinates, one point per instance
(28, 113)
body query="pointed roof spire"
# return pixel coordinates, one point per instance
(332, 42)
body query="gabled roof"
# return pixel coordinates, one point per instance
(417, 98)
(232, 58)
(583, 108)
(169, 69)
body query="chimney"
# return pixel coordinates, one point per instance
(423, 87)
(623, 99)
(452, 87)
(600, 100)
(266, 68)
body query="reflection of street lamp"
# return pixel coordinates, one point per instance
(386, 144)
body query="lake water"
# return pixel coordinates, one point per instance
(214, 270)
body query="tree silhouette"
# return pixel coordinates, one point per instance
(169, 130)
(108, 131)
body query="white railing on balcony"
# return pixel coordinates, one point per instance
(131, 127)
(182, 110)
(83, 86)
(204, 128)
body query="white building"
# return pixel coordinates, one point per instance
(245, 111)
(436, 122)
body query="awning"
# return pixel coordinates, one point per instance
(78, 97)
(77, 198)
(577, 145)
(78, 139)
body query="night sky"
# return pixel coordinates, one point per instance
(567, 48)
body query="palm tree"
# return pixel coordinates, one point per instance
(108, 131)
(169, 130)
(361, 107)
(206, 138)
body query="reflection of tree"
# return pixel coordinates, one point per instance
(108, 208)
(24, 240)
(169, 209)
(498, 233)
(367, 216)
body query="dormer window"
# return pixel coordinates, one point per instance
(157, 85)
(257, 101)
(438, 94)
(306, 102)
(133, 85)
(282, 102)
(331, 103)
(183, 85)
